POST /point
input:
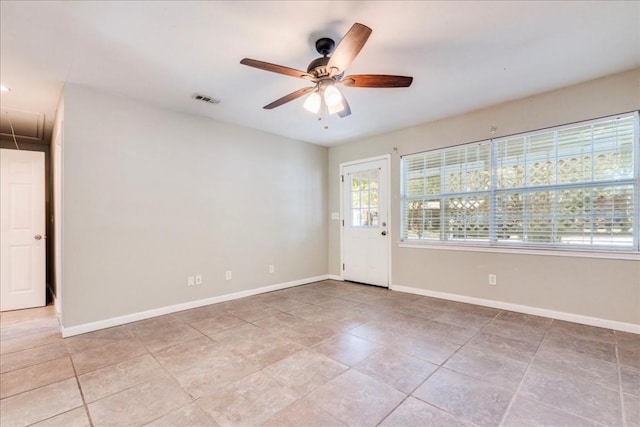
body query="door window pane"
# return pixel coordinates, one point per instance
(364, 198)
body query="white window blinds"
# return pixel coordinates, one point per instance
(451, 187)
(573, 186)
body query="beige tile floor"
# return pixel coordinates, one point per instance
(324, 354)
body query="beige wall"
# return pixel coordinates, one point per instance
(152, 196)
(602, 288)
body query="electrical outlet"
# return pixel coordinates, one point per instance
(198, 279)
(272, 268)
(227, 274)
(190, 281)
(493, 280)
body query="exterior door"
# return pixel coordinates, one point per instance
(365, 244)
(22, 227)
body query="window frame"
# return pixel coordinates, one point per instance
(492, 243)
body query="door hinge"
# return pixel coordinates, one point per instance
(342, 267)
(342, 178)
(343, 222)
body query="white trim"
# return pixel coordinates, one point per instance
(367, 160)
(335, 277)
(57, 178)
(57, 305)
(522, 251)
(386, 158)
(134, 317)
(560, 315)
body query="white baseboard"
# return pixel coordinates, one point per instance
(128, 318)
(560, 315)
(134, 317)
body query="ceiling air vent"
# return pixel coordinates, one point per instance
(205, 98)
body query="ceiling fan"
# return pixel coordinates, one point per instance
(328, 71)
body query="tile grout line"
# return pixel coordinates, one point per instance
(75, 376)
(349, 367)
(467, 341)
(153, 356)
(261, 328)
(111, 366)
(394, 408)
(441, 366)
(194, 399)
(552, 405)
(619, 371)
(28, 347)
(410, 394)
(84, 405)
(84, 402)
(517, 391)
(33, 366)
(148, 380)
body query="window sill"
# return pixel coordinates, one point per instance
(633, 256)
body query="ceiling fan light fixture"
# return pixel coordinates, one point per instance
(336, 108)
(313, 102)
(332, 96)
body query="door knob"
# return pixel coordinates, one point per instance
(384, 233)
(37, 237)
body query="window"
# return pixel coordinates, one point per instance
(364, 198)
(573, 186)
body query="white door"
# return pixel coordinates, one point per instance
(22, 229)
(365, 240)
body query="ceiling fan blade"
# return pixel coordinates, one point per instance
(293, 95)
(376, 80)
(349, 47)
(277, 68)
(346, 111)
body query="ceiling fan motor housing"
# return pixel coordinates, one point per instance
(318, 67)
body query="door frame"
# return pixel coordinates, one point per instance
(56, 213)
(387, 159)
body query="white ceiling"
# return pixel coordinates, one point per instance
(462, 55)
